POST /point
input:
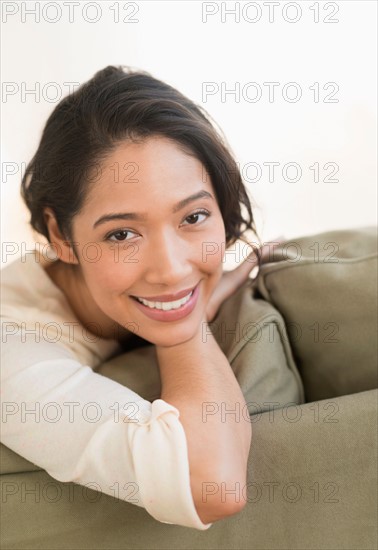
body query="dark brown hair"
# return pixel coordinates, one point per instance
(115, 105)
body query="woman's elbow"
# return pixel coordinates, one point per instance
(227, 499)
(211, 514)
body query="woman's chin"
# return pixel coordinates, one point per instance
(169, 336)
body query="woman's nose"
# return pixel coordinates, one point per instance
(168, 262)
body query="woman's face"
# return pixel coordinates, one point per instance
(162, 249)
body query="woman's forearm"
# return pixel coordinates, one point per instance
(197, 378)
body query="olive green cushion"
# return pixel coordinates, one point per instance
(325, 287)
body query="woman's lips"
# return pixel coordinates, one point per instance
(173, 314)
(169, 297)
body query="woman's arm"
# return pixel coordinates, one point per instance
(198, 380)
(85, 428)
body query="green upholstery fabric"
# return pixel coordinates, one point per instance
(312, 478)
(312, 470)
(325, 287)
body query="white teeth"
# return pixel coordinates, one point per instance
(166, 306)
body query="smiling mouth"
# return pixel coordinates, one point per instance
(165, 306)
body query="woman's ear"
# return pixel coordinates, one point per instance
(63, 247)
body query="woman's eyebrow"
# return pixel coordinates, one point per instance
(143, 217)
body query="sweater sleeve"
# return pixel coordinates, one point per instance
(83, 427)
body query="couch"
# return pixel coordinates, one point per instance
(303, 347)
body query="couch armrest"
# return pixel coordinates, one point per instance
(312, 477)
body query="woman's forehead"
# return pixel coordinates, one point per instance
(149, 168)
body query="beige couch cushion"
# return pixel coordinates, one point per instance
(325, 287)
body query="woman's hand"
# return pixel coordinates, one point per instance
(232, 280)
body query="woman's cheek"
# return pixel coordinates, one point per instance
(216, 261)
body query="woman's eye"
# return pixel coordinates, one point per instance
(194, 216)
(121, 233)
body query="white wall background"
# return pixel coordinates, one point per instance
(178, 43)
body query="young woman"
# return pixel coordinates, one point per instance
(139, 198)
